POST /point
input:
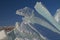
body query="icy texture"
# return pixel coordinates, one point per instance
(25, 12)
(29, 17)
(57, 16)
(44, 24)
(26, 32)
(46, 14)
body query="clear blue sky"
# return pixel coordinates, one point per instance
(8, 9)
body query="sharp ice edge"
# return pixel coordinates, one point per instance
(46, 14)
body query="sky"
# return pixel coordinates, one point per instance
(8, 9)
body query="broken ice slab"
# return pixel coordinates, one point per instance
(46, 14)
(25, 31)
(29, 17)
(57, 16)
(3, 35)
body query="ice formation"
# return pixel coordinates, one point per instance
(46, 14)
(25, 31)
(57, 16)
(29, 17)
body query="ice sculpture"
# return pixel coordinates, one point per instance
(57, 16)
(46, 14)
(29, 17)
(26, 32)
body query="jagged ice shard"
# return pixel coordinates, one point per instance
(29, 17)
(46, 14)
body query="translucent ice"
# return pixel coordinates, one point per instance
(25, 31)
(29, 17)
(46, 14)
